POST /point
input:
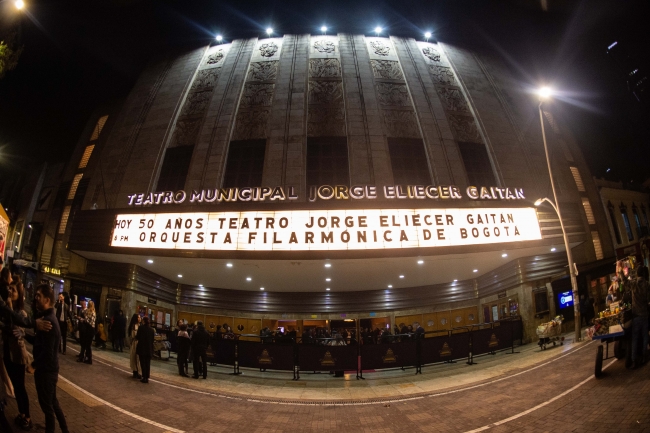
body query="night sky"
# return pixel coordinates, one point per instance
(79, 54)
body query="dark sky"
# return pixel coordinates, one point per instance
(79, 54)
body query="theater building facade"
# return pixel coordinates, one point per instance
(303, 180)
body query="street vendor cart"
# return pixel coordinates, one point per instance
(612, 328)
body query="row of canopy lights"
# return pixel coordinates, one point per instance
(377, 30)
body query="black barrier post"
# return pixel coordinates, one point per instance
(418, 353)
(449, 361)
(235, 366)
(359, 366)
(296, 361)
(470, 355)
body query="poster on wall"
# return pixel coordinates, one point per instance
(4, 228)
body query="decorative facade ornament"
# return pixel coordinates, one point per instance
(392, 94)
(196, 104)
(186, 132)
(386, 69)
(205, 80)
(325, 92)
(453, 100)
(324, 68)
(380, 48)
(442, 75)
(263, 71)
(326, 122)
(400, 123)
(251, 125)
(431, 54)
(324, 46)
(268, 49)
(214, 58)
(257, 95)
(464, 128)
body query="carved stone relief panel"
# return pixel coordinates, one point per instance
(325, 92)
(186, 132)
(257, 95)
(452, 99)
(326, 121)
(251, 124)
(324, 68)
(263, 71)
(392, 94)
(324, 46)
(268, 49)
(386, 69)
(431, 54)
(214, 58)
(205, 80)
(400, 123)
(380, 48)
(442, 75)
(464, 128)
(196, 104)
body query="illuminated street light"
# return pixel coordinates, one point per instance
(323, 29)
(269, 31)
(219, 38)
(427, 35)
(19, 4)
(544, 93)
(378, 30)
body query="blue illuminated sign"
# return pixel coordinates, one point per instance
(566, 299)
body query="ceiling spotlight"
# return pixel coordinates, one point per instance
(200, 285)
(261, 288)
(219, 38)
(378, 30)
(455, 281)
(427, 35)
(62, 281)
(401, 276)
(390, 286)
(269, 31)
(504, 255)
(248, 278)
(328, 289)
(328, 265)
(475, 270)
(553, 249)
(180, 275)
(420, 262)
(149, 261)
(229, 265)
(19, 4)
(328, 279)
(323, 29)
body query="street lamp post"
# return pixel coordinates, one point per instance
(545, 93)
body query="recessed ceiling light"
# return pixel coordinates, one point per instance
(180, 276)
(328, 289)
(261, 288)
(328, 265)
(390, 286)
(552, 249)
(475, 270)
(328, 279)
(420, 262)
(200, 285)
(62, 281)
(229, 265)
(504, 255)
(248, 278)
(455, 281)
(401, 276)
(149, 261)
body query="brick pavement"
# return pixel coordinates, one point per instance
(618, 402)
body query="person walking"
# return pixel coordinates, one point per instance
(183, 342)
(62, 315)
(16, 357)
(199, 345)
(144, 348)
(133, 344)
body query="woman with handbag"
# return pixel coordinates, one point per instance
(133, 331)
(16, 357)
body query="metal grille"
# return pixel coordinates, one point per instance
(75, 185)
(86, 156)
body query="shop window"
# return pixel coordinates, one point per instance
(174, 168)
(98, 128)
(612, 217)
(64, 219)
(75, 185)
(86, 156)
(408, 161)
(327, 161)
(588, 211)
(637, 220)
(598, 248)
(578, 179)
(245, 163)
(477, 164)
(626, 222)
(541, 301)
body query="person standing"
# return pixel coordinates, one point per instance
(133, 344)
(119, 331)
(183, 342)
(62, 315)
(87, 323)
(144, 348)
(199, 345)
(640, 298)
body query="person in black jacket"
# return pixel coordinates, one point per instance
(200, 342)
(62, 311)
(183, 342)
(144, 349)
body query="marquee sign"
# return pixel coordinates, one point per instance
(330, 230)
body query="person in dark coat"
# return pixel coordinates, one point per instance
(62, 311)
(144, 349)
(183, 342)
(199, 345)
(119, 331)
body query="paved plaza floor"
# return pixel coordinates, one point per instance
(529, 391)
